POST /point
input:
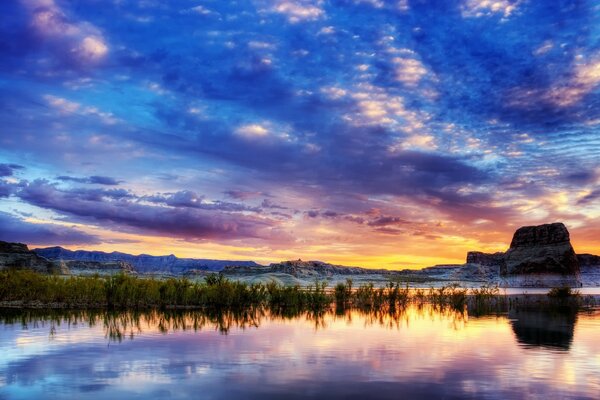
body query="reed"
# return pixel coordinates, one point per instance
(27, 289)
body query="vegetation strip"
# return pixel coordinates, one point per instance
(22, 288)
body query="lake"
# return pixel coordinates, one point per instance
(418, 352)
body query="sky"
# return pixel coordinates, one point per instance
(389, 134)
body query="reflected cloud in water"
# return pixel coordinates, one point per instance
(416, 352)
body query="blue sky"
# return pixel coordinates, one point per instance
(381, 133)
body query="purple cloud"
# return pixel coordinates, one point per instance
(130, 215)
(9, 169)
(94, 180)
(190, 199)
(13, 229)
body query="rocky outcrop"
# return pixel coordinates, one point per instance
(96, 267)
(304, 269)
(538, 256)
(588, 261)
(485, 259)
(18, 256)
(541, 249)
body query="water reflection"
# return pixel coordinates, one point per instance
(418, 351)
(118, 325)
(546, 327)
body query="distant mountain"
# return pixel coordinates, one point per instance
(143, 263)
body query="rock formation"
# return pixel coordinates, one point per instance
(304, 269)
(96, 267)
(486, 259)
(541, 249)
(588, 261)
(533, 250)
(18, 256)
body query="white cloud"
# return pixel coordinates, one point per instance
(300, 10)
(486, 8)
(409, 70)
(419, 142)
(327, 30)
(544, 48)
(93, 48)
(566, 92)
(61, 104)
(252, 131)
(260, 45)
(334, 92)
(200, 10)
(403, 5)
(65, 106)
(374, 3)
(375, 106)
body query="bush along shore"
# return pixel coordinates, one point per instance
(27, 289)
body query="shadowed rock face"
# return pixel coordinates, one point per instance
(541, 249)
(18, 256)
(486, 259)
(588, 260)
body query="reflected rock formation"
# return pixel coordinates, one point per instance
(552, 328)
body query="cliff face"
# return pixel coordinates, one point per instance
(541, 249)
(485, 259)
(18, 256)
(588, 261)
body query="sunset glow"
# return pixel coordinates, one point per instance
(383, 134)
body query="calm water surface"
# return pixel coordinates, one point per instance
(420, 352)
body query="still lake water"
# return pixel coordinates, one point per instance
(420, 352)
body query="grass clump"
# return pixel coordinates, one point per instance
(452, 295)
(564, 292)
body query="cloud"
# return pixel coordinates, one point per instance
(6, 189)
(67, 107)
(267, 203)
(252, 131)
(589, 198)
(129, 215)
(190, 199)
(9, 169)
(18, 230)
(386, 221)
(409, 70)
(77, 41)
(243, 194)
(94, 180)
(585, 78)
(481, 8)
(299, 10)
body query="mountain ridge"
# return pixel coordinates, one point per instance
(143, 263)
